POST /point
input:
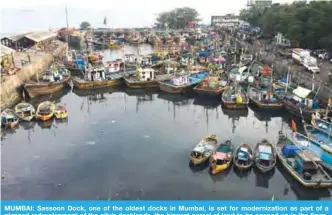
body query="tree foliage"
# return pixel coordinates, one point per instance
(85, 25)
(309, 25)
(177, 18)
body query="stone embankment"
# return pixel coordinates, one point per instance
(40, 61)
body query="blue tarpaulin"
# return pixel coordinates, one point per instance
(204, 54)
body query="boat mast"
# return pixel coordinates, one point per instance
(67, 24)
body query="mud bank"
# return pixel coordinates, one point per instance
(11, 85)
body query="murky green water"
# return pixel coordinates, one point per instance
(134, 144)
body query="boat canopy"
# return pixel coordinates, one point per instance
(301, 92)
(241, 69)
(219, 156)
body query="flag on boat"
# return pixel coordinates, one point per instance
(293, 126)
(105, 21)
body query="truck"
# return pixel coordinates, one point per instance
(299, 54)
(310, 63)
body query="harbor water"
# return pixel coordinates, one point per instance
(134, 144)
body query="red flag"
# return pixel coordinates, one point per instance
(293, 126)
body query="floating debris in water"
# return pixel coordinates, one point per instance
(146, 136)
(91, 143)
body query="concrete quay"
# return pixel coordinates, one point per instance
(40, 61)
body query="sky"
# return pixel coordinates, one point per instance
(30, 15)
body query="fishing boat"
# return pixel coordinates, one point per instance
(234, 97)
(9, 119)
(98, 78)
(241, 74)
(322, 138)
(302, 164)
(60, 111)
(323, 124)
(142, 78)
(263, 98)
(243, 157)
(52, 81)
(213, 85)
(265, 156)
(130, 60)
(182, 83)
(45, 111)
(203, 150)
(113, 44)
(301, 102)
(221, 159)
(25, 111)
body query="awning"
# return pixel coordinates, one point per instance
(301, 92)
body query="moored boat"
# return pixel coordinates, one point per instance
(322, 139)
(221, 159)
(60, 111)
(263, 98)
(9, 119)
(45, 111)
(243, 157)
(182, 83)
(265, 156)
(25, 111)
(142, 78)
(303, 165)
(213, 85)
(203, 150)
(52, 81)
(234, 97)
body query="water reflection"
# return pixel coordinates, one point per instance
(241, 173)
(200, 167)
(130, 129)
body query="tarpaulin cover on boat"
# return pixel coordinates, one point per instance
(204, 54)
(301, 92)
(219, 156)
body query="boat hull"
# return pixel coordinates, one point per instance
(39, 89)
(233, 105)
(207, 92)
(62, 115)
(297, 178)
(81, 84)
(197, 161)
(276, 106)
(241, 166)
(141, 84)
(174, 89)
(215, 169)
(48, 116)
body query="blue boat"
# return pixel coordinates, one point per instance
(303, 165)
(312, 145)
(182, 83)
(322, 137)
(323, 125)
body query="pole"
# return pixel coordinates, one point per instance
(67, 24)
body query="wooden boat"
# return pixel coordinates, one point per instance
(9, 119)
(213, 85)
(60, 111)
(234, 97)
(182, 83)
(98, 78)
(263, 98)
(243, 157)
(203, 150)
(265, 156)
(114, 45)
(45, 111)
(142, 78)
(25, 111)
(306, 109)
(52, 81)
(221, 159)
(302, 164)
(322, 138)
(322, 124)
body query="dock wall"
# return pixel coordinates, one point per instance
(10, 85)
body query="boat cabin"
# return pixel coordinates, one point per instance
(96, 74)
(180, 80)
(44, 110)
(240, 74)
(220, 62)
(145, 60)
(130, 58)
(306, 163)
(52, 75)
(146, 74)
(264, 155)
(114, 66)
(305, 97)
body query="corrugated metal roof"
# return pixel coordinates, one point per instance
(16, 37)
(40, 36)
(4, 50)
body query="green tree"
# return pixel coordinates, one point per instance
(177, 18)
(85, 25)
(308, 25)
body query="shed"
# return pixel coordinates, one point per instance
(4, 50)
(40, 36)
(13, 41)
